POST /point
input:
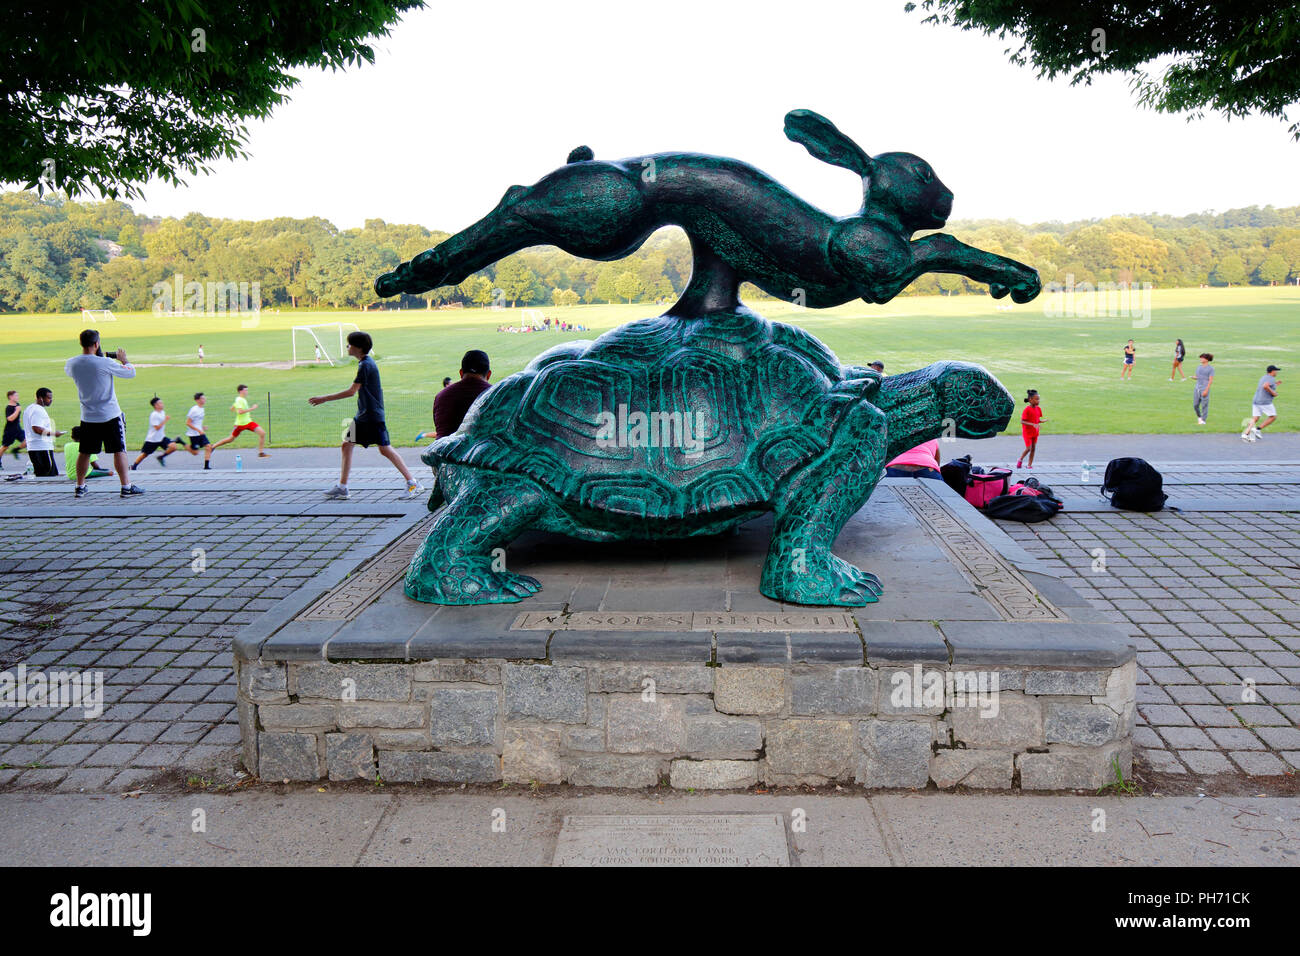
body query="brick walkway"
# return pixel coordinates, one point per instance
(157, 629)
(1209, 595)
(1211, 601)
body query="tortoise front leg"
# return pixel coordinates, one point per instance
(455, 565)
(814, 507)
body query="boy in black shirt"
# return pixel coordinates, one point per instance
(368, 427)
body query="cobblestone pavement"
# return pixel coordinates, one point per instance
(1210, 595)
(1211, 600)
(157, 622)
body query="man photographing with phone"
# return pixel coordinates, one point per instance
(102, 425)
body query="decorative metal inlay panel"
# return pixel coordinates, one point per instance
(997, 582)
(353, 595)
(744, 621)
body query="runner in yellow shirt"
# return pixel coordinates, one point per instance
(243, 423)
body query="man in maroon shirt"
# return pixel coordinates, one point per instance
(451, 404)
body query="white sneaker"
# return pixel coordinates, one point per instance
(1256, 434)
(337, 493)
(1200, 421)
(413, 490)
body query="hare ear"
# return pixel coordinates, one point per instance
(820, 137)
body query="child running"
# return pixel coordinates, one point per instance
(194, 430)
(156, 438)
(1030, 419)
(14, 434)
(243, 423)
(368, 426)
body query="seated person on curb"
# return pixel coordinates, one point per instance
(919, 462)
(70, 452)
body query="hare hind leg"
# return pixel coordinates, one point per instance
(812, 510)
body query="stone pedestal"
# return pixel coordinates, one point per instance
(643, 663)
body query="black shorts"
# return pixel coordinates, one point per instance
(43, 464)
(14, 434)
(198, 441)
(109, 436)
(366, 434)
(150, 447)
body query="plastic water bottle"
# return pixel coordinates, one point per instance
(239, 463)
(1085, 471)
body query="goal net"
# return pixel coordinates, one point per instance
(321, 343)
(533, 317)
(98, 315)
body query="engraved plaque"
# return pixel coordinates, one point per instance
(744, 621)
(735, 839)
(994, 578)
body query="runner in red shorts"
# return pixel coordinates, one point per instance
(243, 423)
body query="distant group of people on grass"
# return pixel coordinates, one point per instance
(546, 326)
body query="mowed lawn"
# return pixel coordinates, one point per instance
(1074, 361)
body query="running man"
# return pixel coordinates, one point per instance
(1262, 407)
(194, 430)
(243, 423)
(14, 434)
(367, 426)
(155, 438)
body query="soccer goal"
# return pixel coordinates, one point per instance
(533, 317)
(98, 315)
(321, 343)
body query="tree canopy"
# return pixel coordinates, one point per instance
(58, 255)
(106, 95)
(1236, 58)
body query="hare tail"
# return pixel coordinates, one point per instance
(580, 154)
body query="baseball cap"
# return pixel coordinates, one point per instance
(1272, 368)
(475, 361)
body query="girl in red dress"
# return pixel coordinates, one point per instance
(1029, 421)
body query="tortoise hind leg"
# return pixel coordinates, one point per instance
(456, 564)
(812, 509)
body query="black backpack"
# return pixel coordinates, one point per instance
(1134, 485)
(1019, 506)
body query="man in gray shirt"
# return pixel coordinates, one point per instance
(1262, 406)
(102, 425)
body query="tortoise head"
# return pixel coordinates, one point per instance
(975, 402)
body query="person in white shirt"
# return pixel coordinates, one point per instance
(200, 354)
(41, 434)
(102, 425)
(156, 438)
(195, 431)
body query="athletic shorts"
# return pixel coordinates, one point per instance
(1128, 359)
(366, 434)
(14, 434)
(198, 441)
(1260, 411)
(244, 428)
(43, 464)
(150, 447)
(108, 437)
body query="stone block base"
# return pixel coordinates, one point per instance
(729, 726)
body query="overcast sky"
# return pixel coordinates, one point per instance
(466, 98)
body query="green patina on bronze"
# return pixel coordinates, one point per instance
(709, 415)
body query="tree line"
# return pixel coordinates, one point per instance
(58, 255)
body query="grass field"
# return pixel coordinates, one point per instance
(1073, 362)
